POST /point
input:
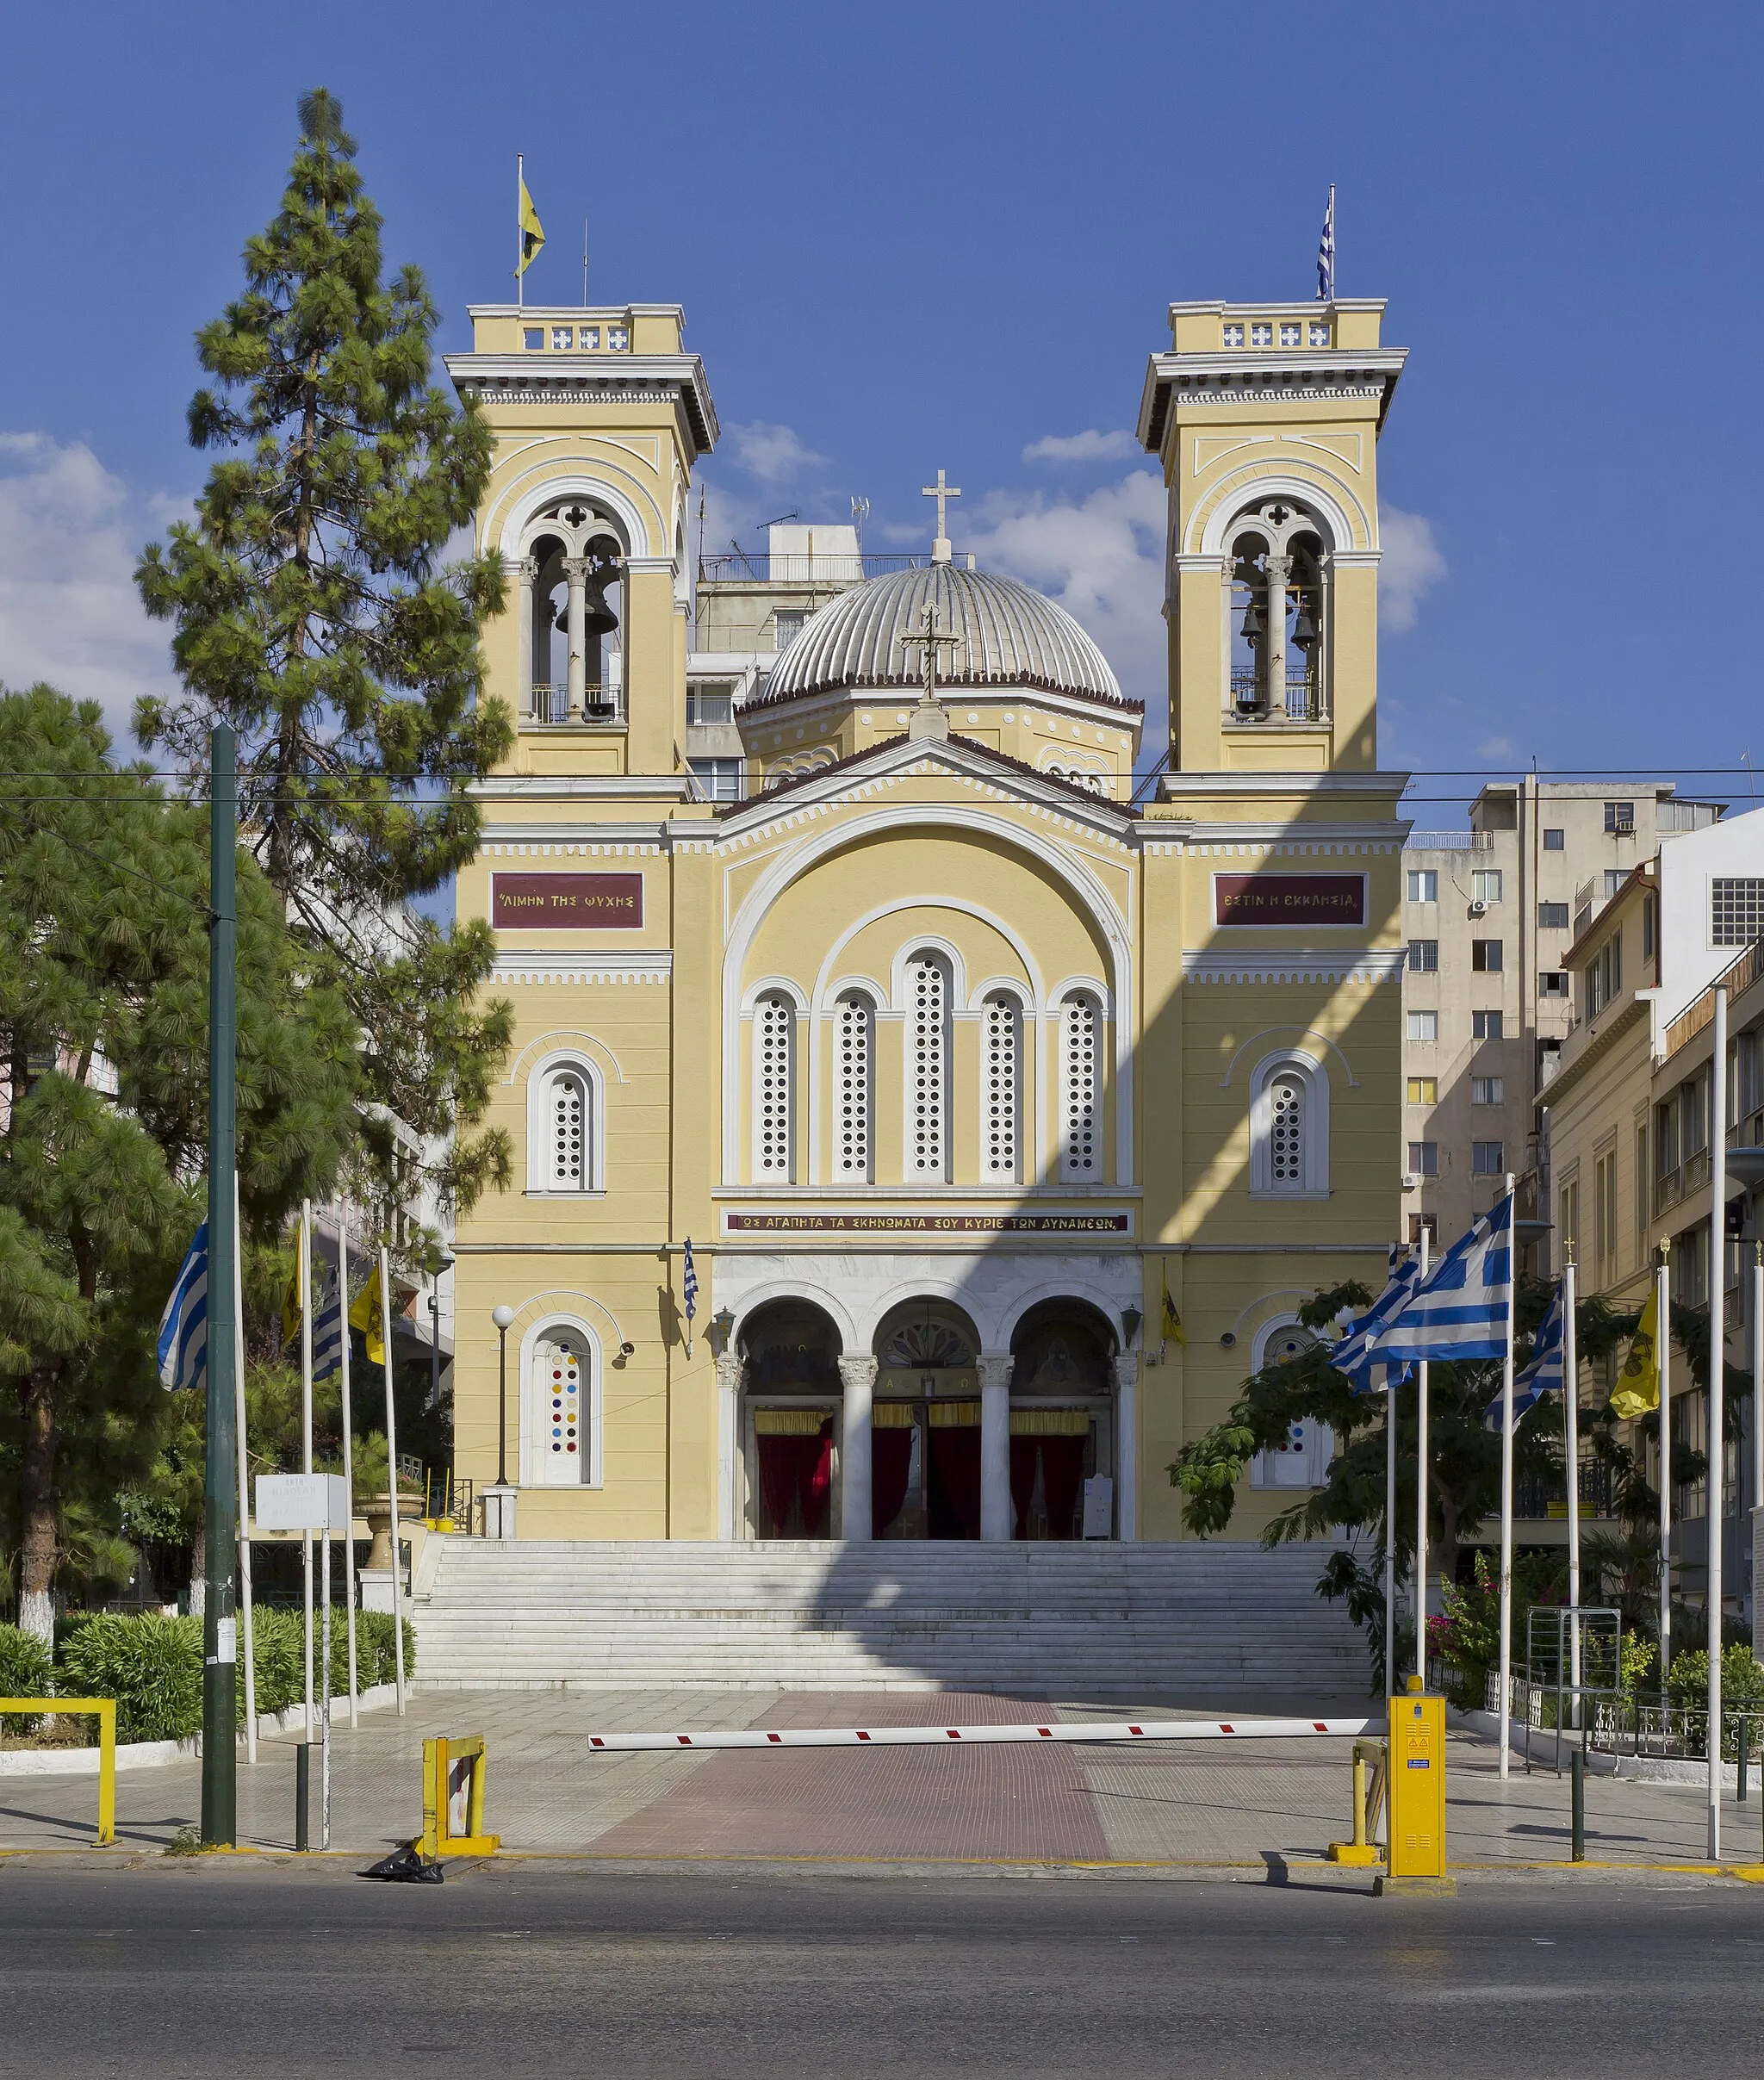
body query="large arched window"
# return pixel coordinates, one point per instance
(563, 1408)
(1081, 1089)
(927, 1069)
(1289, 1126)
(1277, 567)
(566, 1128)
(1001, 1089)
(774, 1088)
(854, 1068)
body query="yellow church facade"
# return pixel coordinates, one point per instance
(943, 1048)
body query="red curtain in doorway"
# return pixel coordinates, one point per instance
(816, 1464)
(1022, 1480)
(797, 1473)
(891, 1461)
(1062, 1476)
(955, 1480)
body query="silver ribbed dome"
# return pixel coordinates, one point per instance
(1011, 636)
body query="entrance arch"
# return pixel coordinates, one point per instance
(925, 1422)
(1064, 1426)
(791, 1396)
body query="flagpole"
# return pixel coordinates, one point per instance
(1421, 1485)
(1757, 1409)
(348, 1448)
(245, 1499)
(306, 1449)
(392, 1474)
(1662, 1342)
(1506, 1509)
(1391, 1374)
(520, 278)
(1714, 1516)
(1571, 1420)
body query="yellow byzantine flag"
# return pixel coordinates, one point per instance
(364, 1314)
(1172, 1321)
(292, 1299)
(532, 232)
(1638, 1389)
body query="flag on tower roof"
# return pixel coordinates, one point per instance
(1461, 1310)
(1325, 254)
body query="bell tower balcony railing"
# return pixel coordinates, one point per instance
(549, 709)
(1305, 704)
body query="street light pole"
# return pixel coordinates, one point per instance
(502, 1316)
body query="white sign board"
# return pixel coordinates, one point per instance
(1099, 1507)
(301, 1502)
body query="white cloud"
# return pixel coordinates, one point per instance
(1088, 447)
(1102, 558)
(1412, 564)
(771, 453)
(70, 534)
(1492, 747)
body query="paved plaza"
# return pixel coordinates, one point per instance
(1265, 1803)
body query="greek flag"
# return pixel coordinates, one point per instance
(1353, 1355)
(689, 1282)
(327, 1328)
(1461, 1311)
(183, 1327)
(1544, 1371)
(1325, 254)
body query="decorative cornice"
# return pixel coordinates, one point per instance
(1260, 376)
(1371, 966)
(1597, 1047)
(527, 848)
(584, 787)
(511, 378)
(573, 837)
(543, 968)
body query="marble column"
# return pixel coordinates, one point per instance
(856, 1502)
(526, 572)
(1279, 570)
(576, 568)
(1127, 1444)
(997, 1516)
(728, 1415)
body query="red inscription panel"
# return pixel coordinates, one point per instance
(572, 902)
(1241, 899)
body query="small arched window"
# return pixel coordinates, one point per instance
(1080, 1094)
(854, 1058)
(1289, 1127)
(563, 1408)
(927, 1068)
(566, 1126)
(1000, 1090)
(774, 1093)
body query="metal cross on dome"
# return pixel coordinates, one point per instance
(931, 634)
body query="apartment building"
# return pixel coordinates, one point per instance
(1488, 916)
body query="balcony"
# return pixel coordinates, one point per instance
(550, 710)
(1304, 705)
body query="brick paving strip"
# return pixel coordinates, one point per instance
(1011, 1806)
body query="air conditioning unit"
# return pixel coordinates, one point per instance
(1411, 1182)
(1477, 909)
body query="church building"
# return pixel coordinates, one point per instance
(922, 1125)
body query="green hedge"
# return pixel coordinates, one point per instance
(25, 1671)
(153, 1666)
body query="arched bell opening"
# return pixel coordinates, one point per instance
(791, 1407)
(1277, 610)
(925, 1423)
(1064, 1422)
(573, 594)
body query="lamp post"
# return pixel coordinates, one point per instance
(445, 1265)
(499, 1503)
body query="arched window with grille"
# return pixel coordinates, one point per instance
(774, 1088)
(1081, 1089)
(1289, 1126)
(565, 1127)
(928, 993)
(562, 1419)
(854, 1068)
(1000, 1090)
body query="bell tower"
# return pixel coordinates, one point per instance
(599, 418)
(1265, 417)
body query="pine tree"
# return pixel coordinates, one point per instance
(104, 1051)
(312, 610)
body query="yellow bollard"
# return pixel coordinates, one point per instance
(453, 1777)
(104, 1710)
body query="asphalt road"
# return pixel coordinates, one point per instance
(195, 1968)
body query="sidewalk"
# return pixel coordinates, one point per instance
(1249, 1803)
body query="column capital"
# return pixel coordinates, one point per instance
(1125, 1365)
(527, 569)
(729, 1364)
(858, 1371)
(577, 569)
(996, 1367)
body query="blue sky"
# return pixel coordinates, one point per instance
(911, 236)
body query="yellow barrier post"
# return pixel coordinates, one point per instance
(104, 1710)
(1417, 1794)
(1363, 1850)
(453, 1781)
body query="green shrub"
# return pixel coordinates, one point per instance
(152, 1666)
(1742, 1689)
(25, 1671)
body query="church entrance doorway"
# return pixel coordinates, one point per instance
(925, 1425)
(789, 1377)
(1062, 1423)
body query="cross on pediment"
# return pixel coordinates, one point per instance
(931, 636)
